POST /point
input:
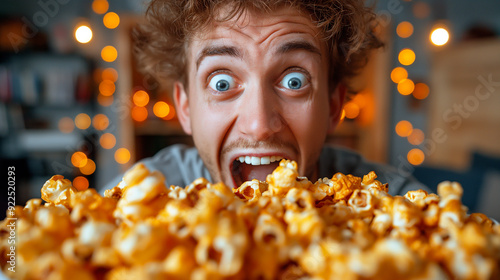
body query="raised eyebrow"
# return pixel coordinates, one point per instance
(217, 50)
(298, 45)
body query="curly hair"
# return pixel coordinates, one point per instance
(161, 43)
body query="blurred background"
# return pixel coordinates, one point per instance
(73, 102)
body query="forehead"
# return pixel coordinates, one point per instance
(261, 28)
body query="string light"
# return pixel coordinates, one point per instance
(439, 36)
(398, 74)
(171, 114)
(406, 57)
(107, 141)
(139, 114)
(81, 183)
(351, 110)
(109, 53)
(406, 87)
(122, 156)
(404, 128)
(107, 88)
(421, 91)
(161, 109)
(140, 98)
(404, 29)
(83, 34)
(111, 20)
(100, 122)
(88, 168)
(100, 6)
(415, 156)
(109, 74)
(79, 159)
(66, 125)
(416, 137)
(82, 121)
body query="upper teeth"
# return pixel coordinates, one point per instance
(259, 160)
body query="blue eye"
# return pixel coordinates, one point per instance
(294, 80)
(222, 82)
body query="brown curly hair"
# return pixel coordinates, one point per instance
(161, 43)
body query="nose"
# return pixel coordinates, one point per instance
(259, 113)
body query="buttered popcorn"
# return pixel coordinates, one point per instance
(343, 227)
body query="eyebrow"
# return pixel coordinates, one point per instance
(217, 50)
(298, 45)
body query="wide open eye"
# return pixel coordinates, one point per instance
(294, 80)
(222, 82)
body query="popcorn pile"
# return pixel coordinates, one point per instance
(285, 228)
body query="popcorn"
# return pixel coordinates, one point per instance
(343, 227)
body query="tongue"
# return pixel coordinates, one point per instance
(259, 172)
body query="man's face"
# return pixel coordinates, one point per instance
(258, 92)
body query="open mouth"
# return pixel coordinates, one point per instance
(246, 168)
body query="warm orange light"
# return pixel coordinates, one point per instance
(82, 121)
(66, 125)
(105, 101)
(107, 141)
(89, 168)
(161, 109)
(109, 74)
(122, 156)
(100, 122)
(415, 156)
(439, 36)
(83, 34)
(107, 88)
(81, 183)
(421, 9)
(404, 29)
(404, 128)
(100, 6)
(416, 137)
(111, 20)
(79, 159)
(406, 87)
(109, 54)
(351, 110)
(140, 98)
(421, 91)
(171, 114)
(406, 57)
(398, 74)
(139, 114)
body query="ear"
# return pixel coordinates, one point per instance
(336, 104)
(182, 103)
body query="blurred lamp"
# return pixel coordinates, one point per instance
(83, 34)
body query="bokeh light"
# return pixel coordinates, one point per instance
(66, 125)
(109, 53)
(139, 114)
(109, 74)
(82, 121)
(100, 122)
(107, 88)
(398, 74)
(89, 168)
(79, 159)
(439, 36)
(404, 128)
(406, 87)
(351, 110)
(161, 109)
(83, 34)
(81, 183)
(105, 101)
(107, 141)
(415, 156)
(100, 6)
(406, 57)
(111, 20)
(404, 29)
(140, 98)
(421, 91)
(171, 114)
(122, 156)
(416, 137)
(421, 9)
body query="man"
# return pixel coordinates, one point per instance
(256, 82)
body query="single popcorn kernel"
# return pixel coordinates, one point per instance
(58, 190)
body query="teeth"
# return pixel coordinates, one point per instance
(259, 160)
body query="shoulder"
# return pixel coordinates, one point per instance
(336, 159)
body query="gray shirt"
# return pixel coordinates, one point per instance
(181, 165)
